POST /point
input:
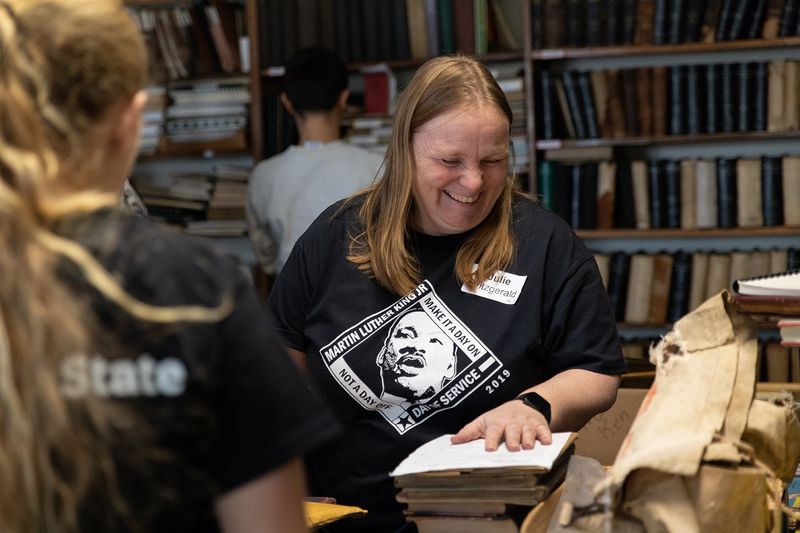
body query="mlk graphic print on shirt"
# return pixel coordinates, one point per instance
(425, 359)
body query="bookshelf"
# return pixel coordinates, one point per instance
(195, 146)
(400, 34)
(666, 70)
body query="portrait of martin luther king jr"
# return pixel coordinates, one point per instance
(416, 361)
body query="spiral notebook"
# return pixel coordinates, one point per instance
(779, 284)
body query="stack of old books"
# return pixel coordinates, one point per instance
(464, 488)
(773, 302)
(772, 294)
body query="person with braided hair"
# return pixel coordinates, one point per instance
(141, 387)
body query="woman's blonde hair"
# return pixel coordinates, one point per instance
(440, 85)
(63, 65)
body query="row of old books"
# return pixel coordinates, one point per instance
(210, 204)
(686, 194)
(205, 113)
(372, 30)
(591, 23)
(659, 288)
(677, 100)
(194, 39)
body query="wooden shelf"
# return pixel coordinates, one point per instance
(234, 145)
(554, 144)
(399, 64)
(663, 49)
(687, 233)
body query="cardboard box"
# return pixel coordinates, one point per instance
(602, 436)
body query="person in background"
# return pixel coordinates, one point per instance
(289, 190)
(445, 233)
(142, 389)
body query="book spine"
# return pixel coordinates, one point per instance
(755, 26)
(672, 193)
(791, 190)
(688, 194)
(694, 113)
(744, 95)
(660, 288)
(759, 101)
(723, 20)
(719, 273)
(772, 191)
(594, 23)
(618, 271)
(655, 190)
(588, 193)
(775, 100)
(706, 193)
(748, 193)
(678, 304)
(677, 21)
(677, 98)
(788, 22)
(644, 95)
(537, 24)
(711, 103)
(606, 181)
(660, 100)
(694, 19)
(545, 178)
(644, 22)
(637, 307)
(447, 41)
(624, 216)
(587, 104)
(574, 103)
(699, 279)
(660, 21)
(726, 193)
(574, 21)
(554, 23)
(641, 194)
(727, 105)
(613, 13)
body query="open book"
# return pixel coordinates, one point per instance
(780, 284)
(441, 455)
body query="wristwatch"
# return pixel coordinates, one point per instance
(534, 401)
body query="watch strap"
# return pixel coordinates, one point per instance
(535, 401)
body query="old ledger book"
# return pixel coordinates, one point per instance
(462, 487)
(780, 284)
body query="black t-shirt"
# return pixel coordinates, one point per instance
(222, 401)
(400, 371)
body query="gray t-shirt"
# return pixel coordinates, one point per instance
(288, 191)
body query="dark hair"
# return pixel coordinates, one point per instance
(314, 79)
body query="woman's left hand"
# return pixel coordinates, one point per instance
(513, 422)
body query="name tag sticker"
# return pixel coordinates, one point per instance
(501, 287)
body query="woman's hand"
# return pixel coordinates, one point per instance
(513, 422)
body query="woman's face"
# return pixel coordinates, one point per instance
(460, 169)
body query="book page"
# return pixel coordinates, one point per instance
(782, 284)
(440, 454)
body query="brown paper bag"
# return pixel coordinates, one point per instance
(705, 379)
(700, 408)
